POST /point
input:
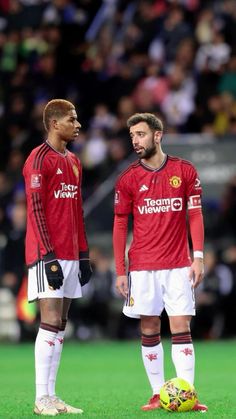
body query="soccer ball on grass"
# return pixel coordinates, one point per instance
(177, 395)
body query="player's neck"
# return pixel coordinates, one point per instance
(57, 144)
(156, 161)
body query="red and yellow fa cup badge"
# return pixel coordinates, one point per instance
(175, 181)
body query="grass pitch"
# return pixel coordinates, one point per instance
(107, 379)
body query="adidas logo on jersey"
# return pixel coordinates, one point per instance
(59, 171)
(143, 188)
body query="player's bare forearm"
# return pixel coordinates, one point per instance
(197, 271)
(122, 285)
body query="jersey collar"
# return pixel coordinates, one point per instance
(58, 152)
(150, 169)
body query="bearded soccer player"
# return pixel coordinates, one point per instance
(159, 191)
(57, 252)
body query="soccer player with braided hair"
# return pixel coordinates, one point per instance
(57, 253)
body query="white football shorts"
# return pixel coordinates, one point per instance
(150, 292)
(38, 285)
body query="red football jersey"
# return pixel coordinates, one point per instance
(54, 205)
(158, 201)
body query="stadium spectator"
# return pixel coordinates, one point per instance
(175, 29)
(212, 298)
(99, 312)
(56, 246)
(159, 191)
(213, 56)
(178, 103)
(6, 190)
(152, 89)
(125, 107)
(13, 255)
(227, 81)
(9, 325)
(226, 111)
(226, 222)
(102, 119)
(229, 258)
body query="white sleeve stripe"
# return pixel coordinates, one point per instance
(194, 206)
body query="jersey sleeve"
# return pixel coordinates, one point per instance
(196, 223)
(194, 189)
(123, 197)
(82, 238)
(120, 229)
(35, 186)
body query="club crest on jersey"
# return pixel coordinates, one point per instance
(175, 181)
(36, 180)
(75, 170)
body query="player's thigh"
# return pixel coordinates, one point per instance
(51, 310)
(178, 292)
(38, 287)
(71, 285)
(144, 295)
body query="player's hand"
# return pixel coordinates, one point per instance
(122, 285)
(54, 274)
(85, 271)
(196, 272)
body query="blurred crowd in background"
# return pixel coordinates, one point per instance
(111, 58)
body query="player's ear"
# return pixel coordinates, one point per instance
(157, 136)
(54, 123)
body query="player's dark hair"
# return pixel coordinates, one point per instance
(56, 109)
(154, 123)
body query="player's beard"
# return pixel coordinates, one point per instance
(148, 152)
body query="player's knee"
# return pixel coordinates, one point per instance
(150, 325)
(54, 320)
(179, 324)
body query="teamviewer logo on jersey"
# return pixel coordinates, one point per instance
(176, 204)
(66, 191)
(155, 206)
